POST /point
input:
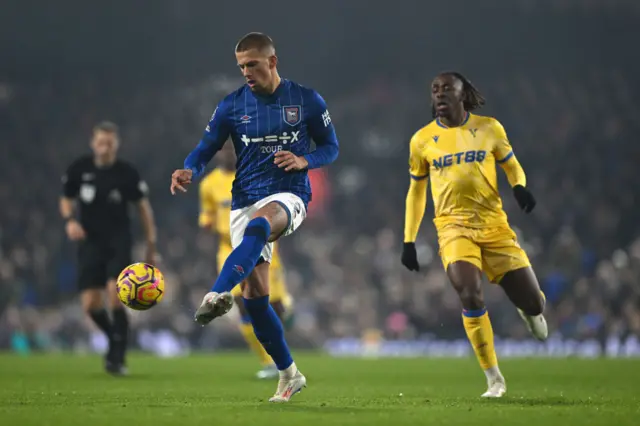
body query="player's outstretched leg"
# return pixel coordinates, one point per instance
(466, 279)
(270, 332)
(236, 269)
(522, 288)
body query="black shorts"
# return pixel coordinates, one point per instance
(100, 261)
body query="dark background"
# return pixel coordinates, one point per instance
(560, 75)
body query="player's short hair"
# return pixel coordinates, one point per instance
(473, 99)
(108, 127)
(254, 40)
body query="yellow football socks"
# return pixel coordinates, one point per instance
(254, 344)
(480, 334)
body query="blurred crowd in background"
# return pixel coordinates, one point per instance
(575, 133)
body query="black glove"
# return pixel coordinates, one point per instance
(410, 257)
(524, 198)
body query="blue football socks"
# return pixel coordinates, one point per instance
(269, 330)
(243, 258)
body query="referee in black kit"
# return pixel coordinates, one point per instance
(102, 186)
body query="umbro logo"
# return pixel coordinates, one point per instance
(435, 139)
(245, 119)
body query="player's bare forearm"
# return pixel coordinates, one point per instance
(66, 207)
(416, 204)
(515, 172)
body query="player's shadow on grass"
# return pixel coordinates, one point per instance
(129, 377)
(552, 401)
(324, 409)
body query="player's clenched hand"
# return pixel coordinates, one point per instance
(179, 178)
(525, 198)
(289, 161)
(74, 230)
(410, 257)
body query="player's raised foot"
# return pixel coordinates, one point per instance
(213, 305)
(287, 387)
(536, 324)
(497, 388)
(268, 372)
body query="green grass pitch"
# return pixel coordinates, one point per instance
(220, 390)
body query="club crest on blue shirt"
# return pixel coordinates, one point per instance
(292, 114)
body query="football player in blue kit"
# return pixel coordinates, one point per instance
(271, 122)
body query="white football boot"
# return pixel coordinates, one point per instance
(496, 385)
(537, 325)
(213, 305)
(289, 386)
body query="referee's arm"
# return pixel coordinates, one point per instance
(149, 226)
(70, 188)
(138, 194)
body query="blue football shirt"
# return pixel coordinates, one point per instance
(260, 126)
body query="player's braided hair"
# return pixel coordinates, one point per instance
(473, 99)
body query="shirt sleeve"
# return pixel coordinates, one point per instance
(207, 216)
(502, 150)
(322, 132)
(137, 188)
(215, 135)
(418, 165)
(71, 181)
(505, 158)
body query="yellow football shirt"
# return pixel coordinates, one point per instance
(460, 163)
(215, 203)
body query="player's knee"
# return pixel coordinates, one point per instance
(471, 295)
(112, 295)
(254, 292)
(258, 226)
(91, 300)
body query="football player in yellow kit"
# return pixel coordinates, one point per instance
(458, 152)
(215, 209)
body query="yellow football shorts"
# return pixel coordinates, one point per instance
(277, 287)
(493, 250)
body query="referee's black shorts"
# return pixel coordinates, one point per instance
(100, 260)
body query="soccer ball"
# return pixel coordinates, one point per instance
(140, 286)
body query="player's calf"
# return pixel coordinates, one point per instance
(522, 288)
